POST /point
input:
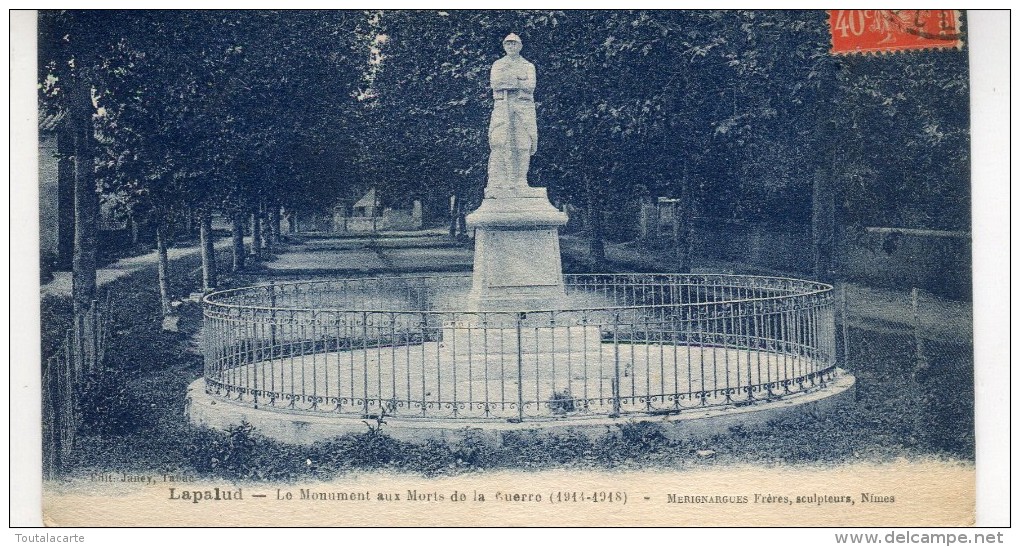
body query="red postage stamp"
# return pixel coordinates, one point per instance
(866, 31)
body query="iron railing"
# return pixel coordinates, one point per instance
(69, 371)
(622, 343)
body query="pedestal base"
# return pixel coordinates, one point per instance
(517, 251)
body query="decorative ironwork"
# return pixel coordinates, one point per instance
(623, 344)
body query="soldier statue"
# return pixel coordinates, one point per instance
(513, 131)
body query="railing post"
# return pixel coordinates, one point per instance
(68, 358)
(272, 320)
(94, 332)
(52, 387)
(256, 357)
(364, 349)
(616, 366)
(207, 344)
(520, 368)
(315, 368)
(648, 376)
(68, 422)
(843, 321)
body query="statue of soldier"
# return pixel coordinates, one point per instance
(513, 131)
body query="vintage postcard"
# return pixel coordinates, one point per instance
(506, 268)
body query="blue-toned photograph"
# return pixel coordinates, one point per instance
(298, 247)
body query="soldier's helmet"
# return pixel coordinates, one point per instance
(512, 38)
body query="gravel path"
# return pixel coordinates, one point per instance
(61, 283)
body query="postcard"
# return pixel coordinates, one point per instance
(700, 268)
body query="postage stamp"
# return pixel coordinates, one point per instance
(505, 268)
(884, 31)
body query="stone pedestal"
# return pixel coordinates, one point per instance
(517, 251)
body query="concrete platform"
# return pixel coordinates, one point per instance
(300, 427)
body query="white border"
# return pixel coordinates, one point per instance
(987, 35)
(25, 410)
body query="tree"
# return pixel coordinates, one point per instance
(71, 56)
(743, 115)
(200, 110)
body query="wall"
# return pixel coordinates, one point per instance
(940, 265)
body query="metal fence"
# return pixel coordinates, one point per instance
(79, 356)
(627, 343)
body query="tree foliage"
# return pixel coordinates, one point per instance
(735, 109)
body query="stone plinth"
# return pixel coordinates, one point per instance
(517, 251)
(209, 410)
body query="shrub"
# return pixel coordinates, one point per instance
(108, 405)
(562, 402)
(241, 453)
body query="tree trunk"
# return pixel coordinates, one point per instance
(596, 228)
(237, 226)
(134, 230)
(823, 212)
(275, 225)
(823, 201)
(686, 240)
(163, 267)
(676, 240)
(86, 200)
(256, 234)
(267, 229)
(597, 245)
(65, 199)
(208, 252)
(454, 201)
(461, 219)
(683, 243)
